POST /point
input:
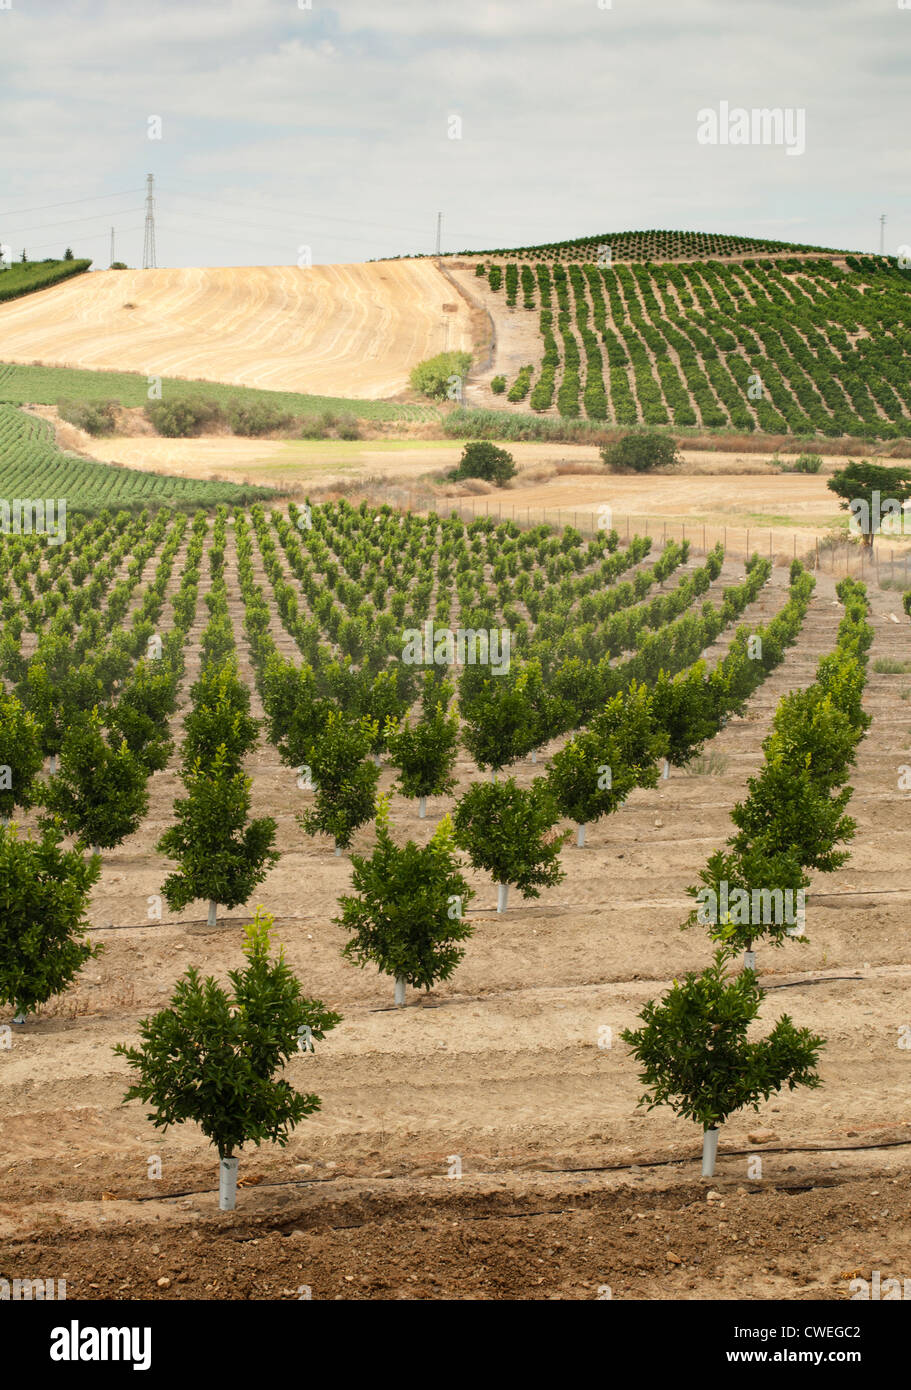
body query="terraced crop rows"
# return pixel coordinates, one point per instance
(801, 346)
(33, 467)
(650, 246)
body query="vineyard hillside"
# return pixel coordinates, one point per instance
(653, 245)
(805, 345)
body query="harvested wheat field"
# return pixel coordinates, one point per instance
(353, 330)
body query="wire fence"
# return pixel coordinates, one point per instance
(881, 563)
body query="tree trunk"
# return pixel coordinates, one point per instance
(580, 837)
(534, 755)
(96, 849)
(493, 774)
(502, 895)
(667, 769)
(338, 850)
(709, 1151)
(422, 808)
(227, 1184)
(749, 960)
(4, 821)
(53, 764)
(20, 1016)
(213, 909)
(399, 991)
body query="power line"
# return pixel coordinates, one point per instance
(319, 217)
(43, 245)
(269, 233)
(71, 221)
(42, 207)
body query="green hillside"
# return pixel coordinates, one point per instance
(21, 385)
(654, 246)
(807, 346)
(27, 277)
(32, 466)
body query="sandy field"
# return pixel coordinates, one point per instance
(566, 1187)
(739, 499)
(345, 330)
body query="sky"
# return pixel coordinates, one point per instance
(278, 133)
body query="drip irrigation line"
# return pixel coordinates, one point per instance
(524, 1172)
(482, 912)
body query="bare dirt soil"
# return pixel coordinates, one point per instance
(341, 330)
(503, 1074)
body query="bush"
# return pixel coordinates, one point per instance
(431, 378)
(481, 459)
(804, 463)
(313, 429)
(906, 602)
(258, 417)
(181, 418)
(95, 417)
(348, 428)
(640, 453)
(498, 385)
(118, 265)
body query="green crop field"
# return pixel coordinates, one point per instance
(32, 466)
(805, 346)
(21, 385)
(26, 277)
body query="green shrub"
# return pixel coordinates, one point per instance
(182, 418)
(257, 417)
(804, 463)
(481, 459)
(640, 453)
(431, 378)
(348, 428)
(498, 385)
(313, 429)
(520, 387)
(95, 417)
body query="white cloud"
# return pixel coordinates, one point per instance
(577, 120)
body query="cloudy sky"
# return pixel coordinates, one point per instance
(330, 127)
